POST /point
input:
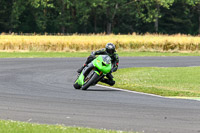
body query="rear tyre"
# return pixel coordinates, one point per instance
(91, 81)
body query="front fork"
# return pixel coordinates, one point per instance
(84, 73)
(87, 69)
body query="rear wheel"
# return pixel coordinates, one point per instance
(91, 80)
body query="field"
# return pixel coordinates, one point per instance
(161, 43)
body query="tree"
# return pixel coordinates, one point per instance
(5, 11)
(66, 12)
(176, 20)
(161, 3)
(110, 16)
(18, 7)
(109, 10)
(196, 6)
(139, 13)
(84, 10)
(40, 9)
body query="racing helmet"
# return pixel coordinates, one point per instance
(110, 48)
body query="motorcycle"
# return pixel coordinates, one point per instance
(93, 72)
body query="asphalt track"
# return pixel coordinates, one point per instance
(40, 90)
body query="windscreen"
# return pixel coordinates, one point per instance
(106, 59)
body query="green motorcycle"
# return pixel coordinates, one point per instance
(93, 72)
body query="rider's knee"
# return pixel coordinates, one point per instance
(107, 81)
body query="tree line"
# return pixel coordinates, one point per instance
(99, 16)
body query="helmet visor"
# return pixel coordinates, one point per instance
(110, 51)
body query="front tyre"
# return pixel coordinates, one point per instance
(77, 86)
(91, 81)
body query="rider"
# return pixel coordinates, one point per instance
(108, 50)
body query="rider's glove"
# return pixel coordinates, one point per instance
(114, 69)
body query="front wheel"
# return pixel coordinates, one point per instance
(76, 86)
(91, 81)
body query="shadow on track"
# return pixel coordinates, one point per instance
(101, 90)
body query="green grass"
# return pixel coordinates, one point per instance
(176, 81)
(42, 54)
(85, 54)
(22, 127)
(129, 53)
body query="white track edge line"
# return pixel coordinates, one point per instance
(142, 93)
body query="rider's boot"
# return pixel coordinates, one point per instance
(81, 69)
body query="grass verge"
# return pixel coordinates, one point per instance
(177, 81)
(85, 54)
(22, 127)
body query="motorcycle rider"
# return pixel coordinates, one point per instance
(108, 50)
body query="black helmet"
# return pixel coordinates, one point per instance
(110, 48)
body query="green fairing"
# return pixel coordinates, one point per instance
(80, 80)
(97, 72)
(98, 64)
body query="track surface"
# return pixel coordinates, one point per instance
(40, 90)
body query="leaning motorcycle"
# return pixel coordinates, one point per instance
(93, 72)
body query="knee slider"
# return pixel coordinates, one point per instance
(112, 82)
